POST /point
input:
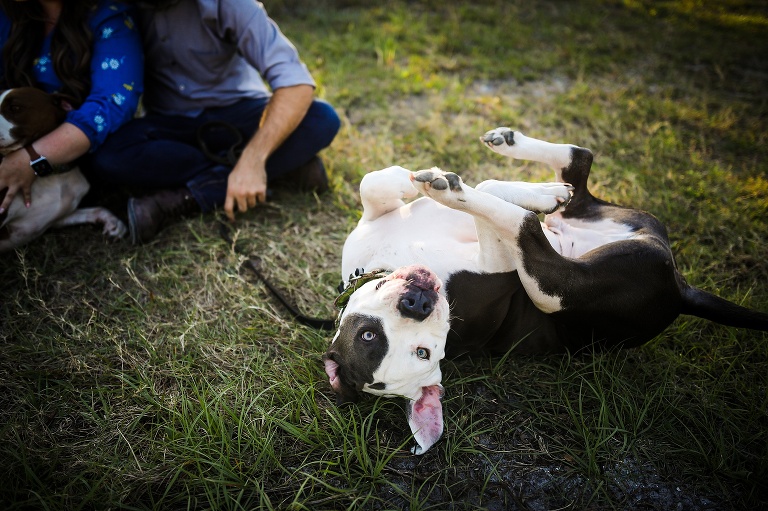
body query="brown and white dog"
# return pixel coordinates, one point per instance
(473, 270)
(26, 114)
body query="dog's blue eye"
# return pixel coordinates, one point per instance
(422, 353)
(368, 336)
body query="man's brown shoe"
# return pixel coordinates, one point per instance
(150, 214)
(310, 177)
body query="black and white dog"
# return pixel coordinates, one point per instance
(468, 270)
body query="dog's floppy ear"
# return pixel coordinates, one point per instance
(425, 417)
(344, 393)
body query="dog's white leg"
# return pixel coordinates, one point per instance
(536, 197)
(503, 226)
(54, 202)
(383, 191)
(514, 144)
(113, 227)
(15, 230)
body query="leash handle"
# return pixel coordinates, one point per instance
(234, 151)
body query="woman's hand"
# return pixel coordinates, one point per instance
(17, 176)
(63, 145)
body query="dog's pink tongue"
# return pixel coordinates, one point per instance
(425, 416)
(332, 370)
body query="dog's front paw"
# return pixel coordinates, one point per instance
(498, 138)
(446, 188)
(392, 182)
(435, 179)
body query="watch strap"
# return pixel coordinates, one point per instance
(33, 155)
(41, 165)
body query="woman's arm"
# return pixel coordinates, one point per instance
(116, 84)
(64, 144)
(117, 75)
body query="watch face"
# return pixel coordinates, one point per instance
(42, 167)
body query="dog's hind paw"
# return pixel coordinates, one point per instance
(114, 228)
(550, 197)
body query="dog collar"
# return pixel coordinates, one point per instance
(356, 280)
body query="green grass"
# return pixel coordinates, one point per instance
(166, 377)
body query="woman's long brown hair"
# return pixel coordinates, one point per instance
(70, 45)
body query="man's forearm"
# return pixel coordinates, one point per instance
(247, 183)
(285, 110)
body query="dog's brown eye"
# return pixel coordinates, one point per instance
(422, 353)
(381, 283)
(368, 336)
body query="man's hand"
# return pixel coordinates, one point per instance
(17, 176)
(247, 183)
(246, 187)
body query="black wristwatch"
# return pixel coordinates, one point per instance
(39, 164)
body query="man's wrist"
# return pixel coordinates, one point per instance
(255, 159)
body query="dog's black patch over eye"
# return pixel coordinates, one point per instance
(422, 353)
(358, 358)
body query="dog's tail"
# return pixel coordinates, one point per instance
(697, 302)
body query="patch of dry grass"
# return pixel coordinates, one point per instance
(166, 377)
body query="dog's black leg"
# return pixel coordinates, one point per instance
(598, 294)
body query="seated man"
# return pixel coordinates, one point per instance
(207, 62)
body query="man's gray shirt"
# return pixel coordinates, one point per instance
(208, 53)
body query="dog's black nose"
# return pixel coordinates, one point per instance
(417, 303)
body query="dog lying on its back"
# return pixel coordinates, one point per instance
(26, 114)
(473, 270)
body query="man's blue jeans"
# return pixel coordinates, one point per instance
(159, 151)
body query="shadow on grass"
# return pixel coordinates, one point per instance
(161, 377)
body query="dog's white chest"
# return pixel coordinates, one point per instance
(422, 232)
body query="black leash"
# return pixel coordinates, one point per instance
(233, 153)
(252, 263)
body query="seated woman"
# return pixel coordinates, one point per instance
(89, 50)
